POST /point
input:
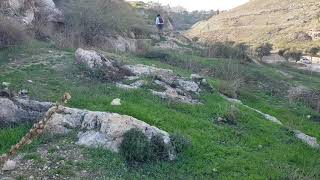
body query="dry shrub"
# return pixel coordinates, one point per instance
(227, 50)
(231, 76)
(302, 94)
(85, 20)
(11, 32)
(230, 88)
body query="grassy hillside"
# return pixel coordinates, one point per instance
(285, 23)
(251, 148)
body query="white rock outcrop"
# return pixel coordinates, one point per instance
(91, 59)
(176, 88)
(9, 165)
(99, 129)
(17, 110)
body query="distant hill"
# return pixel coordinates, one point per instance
(285, 23)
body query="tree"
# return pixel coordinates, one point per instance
(293, 54)
(314, 51)
(263, 50)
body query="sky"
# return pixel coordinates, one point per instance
(202, 4)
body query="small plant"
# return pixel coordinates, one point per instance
(160, 150)
(232, 115)
(135, 146)
(180, 143)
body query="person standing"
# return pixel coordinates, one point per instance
(160, 23)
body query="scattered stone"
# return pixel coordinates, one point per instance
(23, 94)
(189, 86)
(125, 86)
(177, 88)
(6, 84)
(172, 94)
(17, 110)
(311, 141)
(116, 102)
(9, 165)
(204, 82)
(135, 85)
(7, 178)
(196, 77)
(309, 116)
(29, 81)
(221, 120)
(143, 70)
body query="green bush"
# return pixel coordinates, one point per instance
(158, 148)
(263, 50)
(180, 143)
(135, 146)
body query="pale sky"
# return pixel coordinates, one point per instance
(202, 4)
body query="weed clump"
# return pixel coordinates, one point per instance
(229, 88)
(232, 115)
(135, 146)
(180, 143)
(158, 148)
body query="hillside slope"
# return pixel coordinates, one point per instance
(283, 23)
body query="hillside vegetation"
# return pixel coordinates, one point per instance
(285, 23)
(237, 147)
(225, 116)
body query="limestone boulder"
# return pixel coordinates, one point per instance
(92, 59)
(13, 111)
(99, 129)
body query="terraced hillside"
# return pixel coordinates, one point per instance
(285, 23)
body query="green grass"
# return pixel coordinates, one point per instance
(252, 149)
(11, 135)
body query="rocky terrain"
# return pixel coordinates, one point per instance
(288, 23)
(141, 105)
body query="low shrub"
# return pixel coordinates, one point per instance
(156, 54)
(158, 148)
(104, 73)
(229, 88)
(180, 143)
(135, 146)
(232, 115)
(11, 33)
(310, 98)
(263, 50)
